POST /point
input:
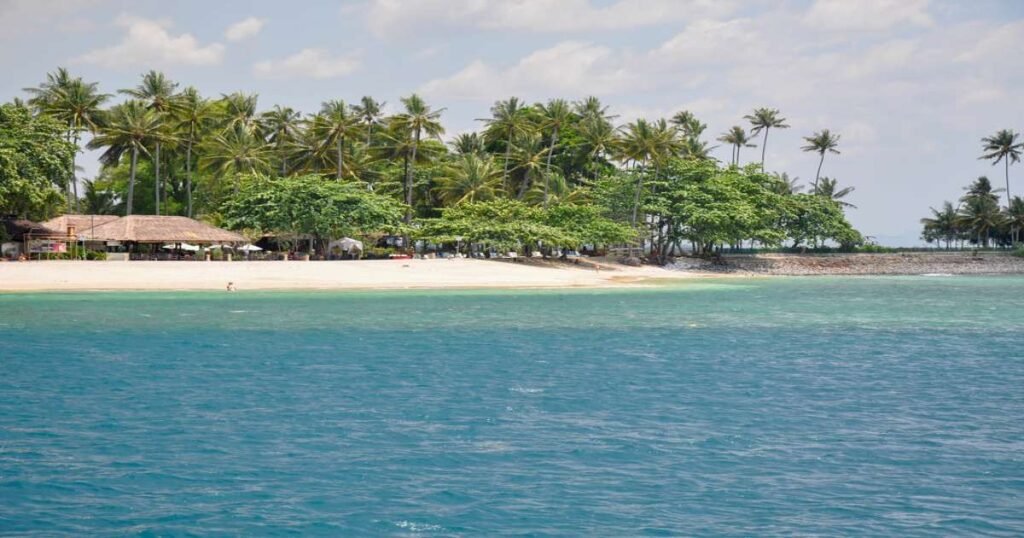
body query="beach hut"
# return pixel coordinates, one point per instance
(147, 233)
(30, 238)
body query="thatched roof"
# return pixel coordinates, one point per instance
(80, 222)
(161, 229)
(17, 228)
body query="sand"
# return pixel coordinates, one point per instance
(369, 274)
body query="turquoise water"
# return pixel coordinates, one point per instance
(817, 406)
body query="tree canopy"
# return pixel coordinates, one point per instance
(34, 160)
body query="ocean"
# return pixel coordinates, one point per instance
(882, 406)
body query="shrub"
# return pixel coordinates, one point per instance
(1019, 251)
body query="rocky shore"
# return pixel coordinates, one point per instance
(910, 263)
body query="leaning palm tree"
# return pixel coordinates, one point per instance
(765, 119)
(157, 91)
(417, 120)
(75, 104)
(281, 124)
(333, 125)
(1003, 146)
(129, 127)
(235, 152)
(471, 178)
(370, 113)
(529, 158)
(193, 115)
(555, 116)
(1014, 216)
(943, 224)
(738, 139)
(821, 142)
(829, 188)
(509, 120)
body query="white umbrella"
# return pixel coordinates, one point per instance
(249, 248)
(180, 246)
(211, 247)
(347, 244)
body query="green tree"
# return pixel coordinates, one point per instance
(468, 144)
(821, 142)
(415, 122)
(555, 116)
(471, 178)
(332, 126)
(158, 93)
(737, 138)
(980, 216)
(1014, 217)
(1003, 146)
(99, 201)
(193, 116)
(509, 120)
(238, 111)
(765, 119)
(281, 125)
(829, 188)
(130, 127)
(33, 151)
(234, 153)
(369, 112)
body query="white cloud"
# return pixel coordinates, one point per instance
(713, 42)
(397, 17)
(867, 15)
(568, 68)
(308, 63)
(244, 29)
(24, 16)
(149, 43)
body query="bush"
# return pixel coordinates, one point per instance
(875, 249)
(1019, 251)
(96, 255)
(378, 252)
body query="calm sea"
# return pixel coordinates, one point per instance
(814, 406)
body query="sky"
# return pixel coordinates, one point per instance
(911, 86)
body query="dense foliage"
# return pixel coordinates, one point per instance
(34, 159)
(977, 219)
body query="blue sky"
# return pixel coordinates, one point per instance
(911, 85)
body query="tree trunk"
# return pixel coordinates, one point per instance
(764, 147)
(408, 177)
(818, 175)
(74, 180)
(636, 194)
(188, 176)
(547, 171)
(1008, 197)
(508, 157)
(131, 181)
(156, 173)
(340, 142)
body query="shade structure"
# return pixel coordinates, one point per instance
(161, 229)
(181, 246)
(346, 244)
(249, 248)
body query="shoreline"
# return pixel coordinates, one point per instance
(471, 274)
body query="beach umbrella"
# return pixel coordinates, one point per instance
(249, 248)
(211, 247)
(180, 246)
(347, 243)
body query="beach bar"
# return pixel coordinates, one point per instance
(146, 236)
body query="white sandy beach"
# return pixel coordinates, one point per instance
(370, 274)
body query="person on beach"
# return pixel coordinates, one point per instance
(231, 286)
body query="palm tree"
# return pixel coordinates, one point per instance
(76, 104)
(98, 202)
(555, 115)
(821, 142)
(944, 224)
(980, 215)
(1003, 146)
(981, 188)
(1014, 216)
(829, 188)
(472, 177)
(787, 185)
(591, 108)
(333, 124)
(509, 120)
(157, 91)
(369, 112)
(417, 120)
(738, 138)
(599, 139)
(46, 92)
(236, 151)
(639, 144)
(238, 110)
(130, 126)
(281, 124)
(764, 119)
(468, 143)
(529, 156)
(194, 114)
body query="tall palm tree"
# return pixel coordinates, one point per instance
(529, 156)
(158, 92)
(98, 202)
(417, 120)
(821, 142)
(639, 144)
(787, 185)
(829, 188)
(555, 115)
(591, 108)
(76, 104)
(370, 113)
(281, 124)
(738, 138)
(981, 188)
(239, 110)
(765, 119)
(980, 215)
(130, 126)
(509, 119)
(1003, 146)
(46, 92)
(333, 125)
(599, 139)
(472, 177)
(234, 152)
(194, 115)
